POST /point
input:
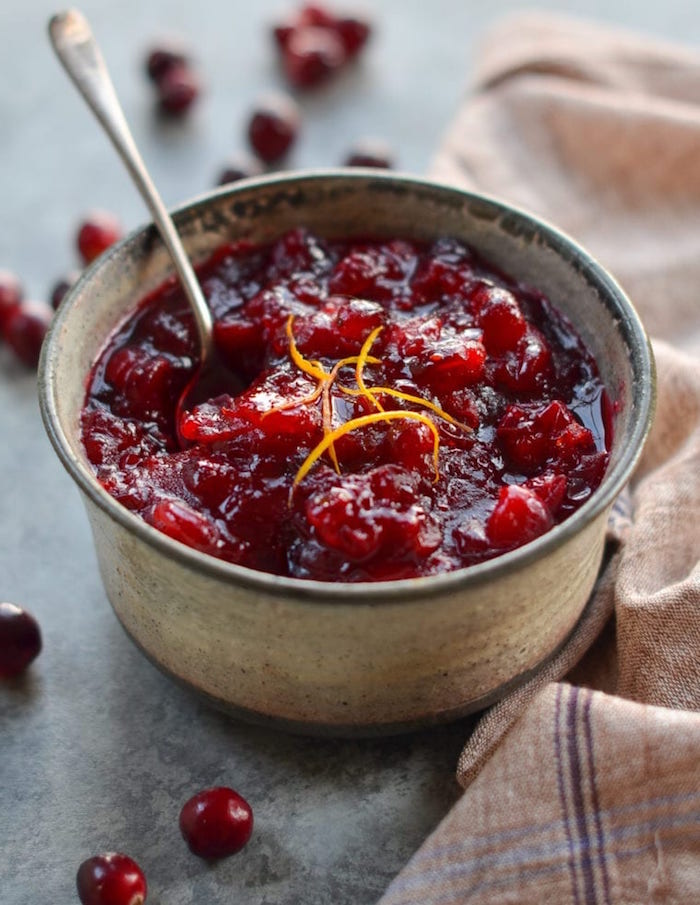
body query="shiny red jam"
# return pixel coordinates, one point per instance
(408, 410)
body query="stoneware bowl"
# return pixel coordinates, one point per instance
(349, 658)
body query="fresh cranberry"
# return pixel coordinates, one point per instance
(61, 287)
(96, 234)
(311, 56)
(354, 32)
(11, 295)
(216, 822)
(164, 57)
(111, 879)
(20, 640)
(178, 89)
(241, 166)
(25, 330)
(370, 153)
(273, 127)
(281, 31)
(317, 15)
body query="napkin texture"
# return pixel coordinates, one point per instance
(583, 786)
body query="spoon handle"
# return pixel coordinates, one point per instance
(80, 55)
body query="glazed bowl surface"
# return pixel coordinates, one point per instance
(342, 658)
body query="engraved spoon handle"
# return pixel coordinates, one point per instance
(80, 55)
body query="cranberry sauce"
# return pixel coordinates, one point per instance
(408, 411)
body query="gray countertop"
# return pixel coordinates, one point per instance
(97, 749)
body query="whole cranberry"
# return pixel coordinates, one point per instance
(240, 166)
(282, 30)
(96, 233)
(178, 89)
(111, 879)
(10, 296)
(163, 57)
(61, 287)
(216, 822)
(25, 330)
(316, 14)
(370, 153)
(273, 127)
(354, 32)
(311, 55)
(20, 640)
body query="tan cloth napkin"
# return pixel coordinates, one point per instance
(588, 790)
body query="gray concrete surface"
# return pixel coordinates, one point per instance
(97, 749)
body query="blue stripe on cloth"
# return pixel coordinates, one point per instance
(595, 802)
(429, 879)
(489, 839)
(580, 821)
(559, 757)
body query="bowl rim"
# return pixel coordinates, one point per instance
(396, 590)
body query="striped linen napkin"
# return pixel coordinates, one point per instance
(583, 786)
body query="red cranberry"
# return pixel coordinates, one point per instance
(111, 879)
(312, 55)
(25, 330)
(96, 233)
(216, 822)
(317, 15)
(10, 296)
(282, 31)
(164, 57)
(501, 319)
(181, 522)
(354, 33)
(178, 89)
(520, 516)
(370, 153)
(241, 166)
(20, 640)
(273, 127)
(61, 288)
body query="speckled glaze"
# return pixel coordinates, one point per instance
(349, 658)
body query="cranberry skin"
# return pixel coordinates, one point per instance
(317, 15)
(178, 89)
(240, 166)
(370, 153)
(164, 57)
(354, 33)
(11, 295)
(25, 330)
(311, 56)
(273, 127)
(520, 516)
(111, 879)
(20, 640)
(216, 822)
(96, 233)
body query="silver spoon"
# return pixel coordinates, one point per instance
(80, 55)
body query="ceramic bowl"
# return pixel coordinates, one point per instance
(349, 658)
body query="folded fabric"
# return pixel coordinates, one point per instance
(588, 790)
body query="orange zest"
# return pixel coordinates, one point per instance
(364, 421)
(312, 368)
(359, 367)
(325, 381)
